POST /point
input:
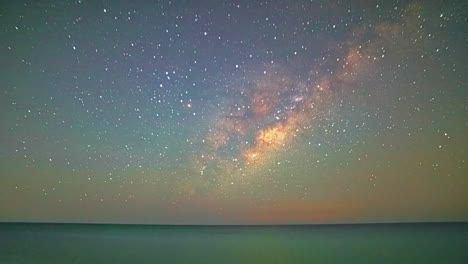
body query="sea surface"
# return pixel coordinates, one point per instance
(359, 243)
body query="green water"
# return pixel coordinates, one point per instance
(379, 243)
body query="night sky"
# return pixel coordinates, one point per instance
(233, 112)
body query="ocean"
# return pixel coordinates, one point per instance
(355, 243)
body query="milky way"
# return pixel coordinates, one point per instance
(233, 111)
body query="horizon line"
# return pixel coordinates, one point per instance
(240, 225)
